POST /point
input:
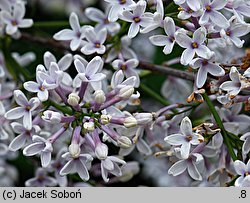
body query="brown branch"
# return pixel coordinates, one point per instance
(167, 70)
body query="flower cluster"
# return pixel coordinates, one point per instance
(86, 111)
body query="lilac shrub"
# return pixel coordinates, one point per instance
(93, 114)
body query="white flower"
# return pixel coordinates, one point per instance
(193, 46)
(211, 13)
(95, 41)
(194, 5)
(52, 116)
(15, 21)
(75, 36)
(128, 68)
(137, 18)
(205, 67)
(24, 110)
(117, 6)
(42, 146)
(163, 40)
(235, 86)
(90, 73)
(186, 138)
(101, 18)
(244, 171)
(191, 165)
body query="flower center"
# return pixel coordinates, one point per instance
(246, 174)
(194, 45)
(189, 137)
(106, 21)
(27, 108)
(123, 67)
(97, 45)
(228, 33)
(123, 1)
(14, 22)
(204, 63)
(41, 88)
(208, 8)
(137, 19)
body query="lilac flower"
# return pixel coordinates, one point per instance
(157, 18)
(50, 79)
(101, 18)
(193, 46)
(75, 36)
(15, 21)
(191, 164)
(41, 180)
(193, 4)
(95, 41)
(186, 12)
(128, 68)
(109, 164)
(137, 18)
(240, 9)
(232, 34)
(77, 163)
(63, 65)
(117, 7)
(205, 66)
(166, 41)
(211, 13)
(186, 138)
(38, 87)
(90, 74)
(236, 85)
(243, 170)
(24, 59)
(24, 135)
(124, 50)
(24, 110)
(42, 146)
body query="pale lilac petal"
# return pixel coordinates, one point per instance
(159, 40)
(204, 18)
(219, 19)
(65, 62)
(183, 40)
(187, 56)
(80, 67)
(18, 142)
(19, 11)
(27, 120)
(74, 22)
(200, 35)
(102, 35)
(31, 86)
(215, 70)
(68, 168)
(201, 77)
(15, 113)
(168, 48)
(94, 14)
(33, 149)
(133, 30)
(178, 168)
(169, 26)
(203, 52)
(45, 158)
(43, 95)
(75, 43)
(175, 139)
(94, 65)
(219, 4)
(240, 167)
(82, 171)
(108, 164)
(20, 98)
(143, 147)
(65, 34)
(193, 172)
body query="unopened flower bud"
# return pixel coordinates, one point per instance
(52, 116)
(99, 96)
(126, 92)
(144, 118)
(74, 150)
(89, 126)
(73, 99)
(105, 119)
(101, 151)
(124, 142)
(130, 122)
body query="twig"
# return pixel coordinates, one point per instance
(167, 70)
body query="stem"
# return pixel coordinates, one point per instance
(220, 125)
(156, 96)
(167, 70)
